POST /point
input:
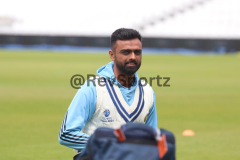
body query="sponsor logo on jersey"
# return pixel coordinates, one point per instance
(106, 116)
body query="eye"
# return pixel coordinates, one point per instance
(138, 52)
(126, 51)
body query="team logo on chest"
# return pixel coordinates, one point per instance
(105, 117)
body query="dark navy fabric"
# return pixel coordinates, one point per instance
(140, 144)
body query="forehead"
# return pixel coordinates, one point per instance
(128, 44)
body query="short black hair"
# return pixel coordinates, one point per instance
(124, 34)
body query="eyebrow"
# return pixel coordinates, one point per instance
(124, 50)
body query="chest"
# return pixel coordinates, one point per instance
(111, 107)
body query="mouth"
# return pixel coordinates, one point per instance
(131, 64)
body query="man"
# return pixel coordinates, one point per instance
(117, 96)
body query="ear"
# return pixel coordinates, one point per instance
(112, 55)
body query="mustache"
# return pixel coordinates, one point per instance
(135, 62)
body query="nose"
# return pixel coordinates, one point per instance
(132, 56)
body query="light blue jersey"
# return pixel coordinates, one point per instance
(83, 106)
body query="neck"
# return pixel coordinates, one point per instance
(124, 79)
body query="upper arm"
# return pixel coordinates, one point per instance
(82, 107)
(152, 116)
(79, 112)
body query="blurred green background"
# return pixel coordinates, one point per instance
(204, 95)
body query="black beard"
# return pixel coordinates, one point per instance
(128, 70)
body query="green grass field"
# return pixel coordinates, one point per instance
(35, 93)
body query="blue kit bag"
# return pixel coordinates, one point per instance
(133, 141)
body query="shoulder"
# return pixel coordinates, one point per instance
(148, 91)
(145, 85)
(88, 88)
(95, 80)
